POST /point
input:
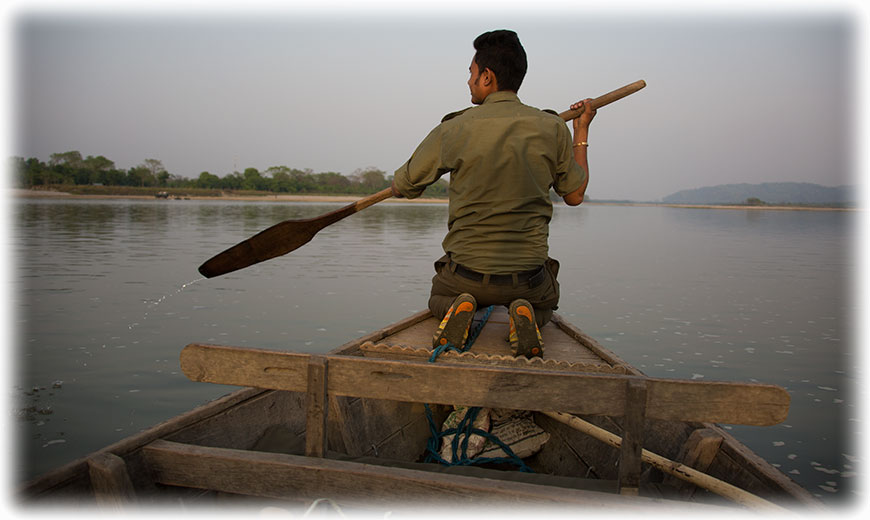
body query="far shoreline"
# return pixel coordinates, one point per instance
(36, 194)
(722, 206)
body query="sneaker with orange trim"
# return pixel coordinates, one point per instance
(525, 336)
(456, 323)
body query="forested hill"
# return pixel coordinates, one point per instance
(767, 193)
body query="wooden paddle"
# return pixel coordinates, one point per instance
(290, 235)
(670, 467)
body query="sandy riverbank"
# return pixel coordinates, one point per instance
(352, 198)
(251, 198)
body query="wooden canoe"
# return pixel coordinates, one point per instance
(350, 426)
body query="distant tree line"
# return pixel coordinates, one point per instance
(70, 168)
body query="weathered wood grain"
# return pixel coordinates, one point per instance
(698, 452)
(497, 387)
(352, 347)
(112, 487)
(632, 441)
(283, 476)
(318, 407)
(246, 367)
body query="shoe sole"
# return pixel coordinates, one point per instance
(458, 323)
(527, 341)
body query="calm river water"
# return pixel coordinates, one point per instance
(107, 294)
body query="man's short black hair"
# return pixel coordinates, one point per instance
(502, 53)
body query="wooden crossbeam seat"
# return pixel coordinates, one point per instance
(494, 387)
(323, 377)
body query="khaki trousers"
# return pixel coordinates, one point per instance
(447, 285)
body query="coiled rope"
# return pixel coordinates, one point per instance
(465, 429)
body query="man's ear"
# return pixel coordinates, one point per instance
(488, 76)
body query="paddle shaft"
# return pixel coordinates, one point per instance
(606, 99)
(287, 236)
(670, 467)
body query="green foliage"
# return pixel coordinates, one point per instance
(71, 170)
(208, 181)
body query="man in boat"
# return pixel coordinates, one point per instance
(503, 157)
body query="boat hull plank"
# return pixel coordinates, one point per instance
(241, 426)
(286, 476)
(598, 459)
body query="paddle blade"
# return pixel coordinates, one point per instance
(282, 238)
(277, 240)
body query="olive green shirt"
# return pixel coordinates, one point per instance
(503, 157)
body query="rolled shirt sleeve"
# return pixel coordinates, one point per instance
(423, 168)
(569, 175)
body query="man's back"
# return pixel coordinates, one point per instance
(503, 157)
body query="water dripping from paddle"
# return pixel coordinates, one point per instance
(153, 304)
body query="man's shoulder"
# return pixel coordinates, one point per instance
(542, 112)
(550, 111)
(452, 115)
(535, 112)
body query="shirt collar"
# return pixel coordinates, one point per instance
(502, 95)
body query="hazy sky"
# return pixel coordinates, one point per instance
(732, 96)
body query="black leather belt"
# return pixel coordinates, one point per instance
(533, 277)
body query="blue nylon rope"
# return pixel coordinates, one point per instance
(465, 428)
(470, 341)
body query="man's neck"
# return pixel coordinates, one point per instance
(499, 94)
